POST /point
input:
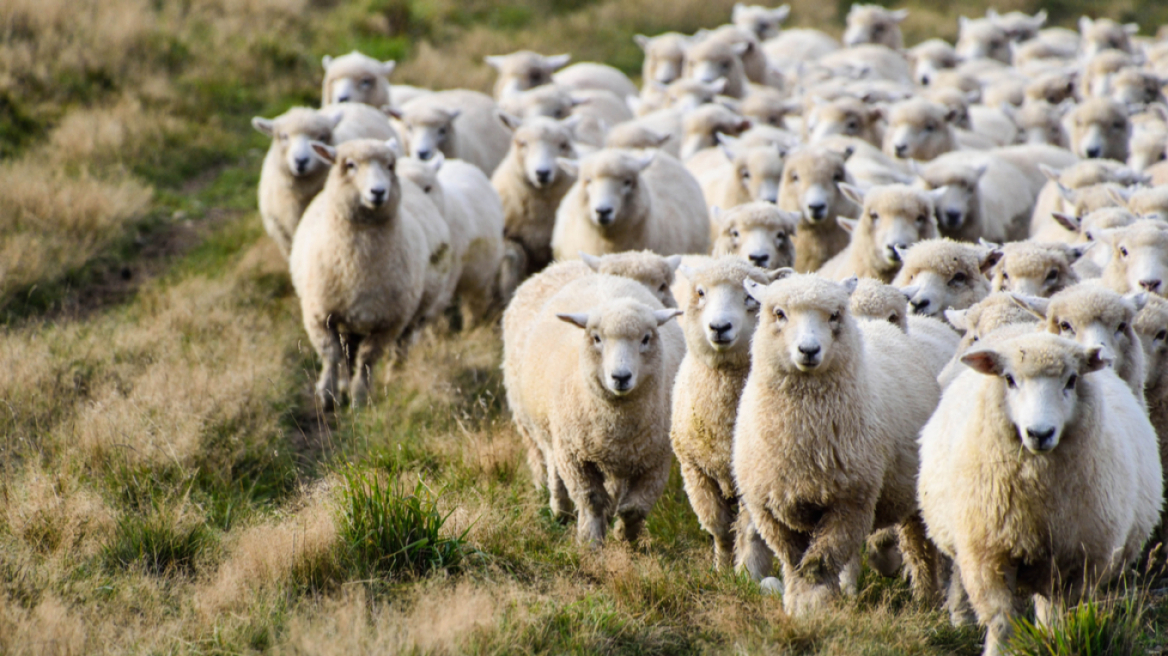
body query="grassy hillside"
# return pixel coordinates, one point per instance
(166, 482)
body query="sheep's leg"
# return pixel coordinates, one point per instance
(714, 511)
(369, 350)
(884, 553)
(837, 539)
(990, 584)
(323, 335)
(585, 486)
(789, 546)
(643, 491)
(921, 559)
(559, 499)
(350, 342)
(849, 577)
(752, 552)
(960, 612)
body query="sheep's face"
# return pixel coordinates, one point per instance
(1019, 27)
(1151, 325)
(620, 350)
(358, 79)
(938, 275)
(960, 200)
(846, 116)
(1150, 203)
(874, 24)
(759, 233)
(956, 103)
(654, 272)
(713, 59)
(1139, 257)
(1133, 87)
(879, 302)
(1096, 317)
(896, 217)
(720, 316)
(1040, 381)
(1054, 88)
(703, 124)
(1100, 129)
(1147, 150)
(803, 324)
(612, 186)
(982, 39)
(430, 131)
(363, 176)
(766, 108)
(688, 94)
(1041, 123)
(760, 171)
(918, 129)
(763, 22)
(664, 57)
(811, 179)
(292, 135)
(538, 142)
(425, 176)
(930, 57)
(523, 70)
(995, 311)
(1036, 269)
(547, 100)
(1105, 34)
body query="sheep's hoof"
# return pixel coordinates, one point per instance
(771, 586)
(326, 399)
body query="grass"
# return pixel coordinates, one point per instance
(166, 485)
(1115, 627)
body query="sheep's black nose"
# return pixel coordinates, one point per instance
(809, 351)
(621, 380)
(720, 328)
(818, 210)
(543, 175)
(760, 259)
(378, 195)
(604, 215)
(343, 98)
(952, 218)
(425, 154)
(1041, 436)
(919, 306)
(301, 164)
(1150, 285)
(901, 150)
(1094, 152)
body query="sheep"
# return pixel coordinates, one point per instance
(982, 38)
(1099, 128)
(757, 232)
(919, 129)
(751, 174)
(1058, 191)
(713, 59)
(292, 175)
(867, 165)
(1034, 268)
(767, 107)
(811, 179)
(1149, 203)
(791, 48)
(845, 115)
(361, 262)
(522, 70)
(997, 316)
(718, 322)
(970, 184)
(588, 370)
(929, 57)
(593, 76)
(876, 301)
(700, 128)
(1139, 257)
(1054, 87)
(1151, 324)
(1087, 465)
(597, 110)
(474, 214)
(824, 448)
(754, 61)
(1019, 27)
(629, 200)
(637, 136)
(356, 78)
(1147, 148)
(763, 22)
(875, 60)
(893, 218)
(1097, 72)
(1040, 122)
(531, 183)
(874, 24)
(994, 122)
(1132, 88)
(462, 124)
(664, 58)
(939, 274)
(1105, 34)
(1096, 317)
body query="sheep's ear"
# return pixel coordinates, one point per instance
(852, 193)
(1032, 304)
(717, 86)
(778, 274)
(663, 316)
(1076, 252)
(453, 113)
(741, 48)
(992, 14)
(849, 285)
(325, 61)
(1072, 223)
(984, 361)
(394, 145)
(495, 61)
(592, 261)
(1138, 299)
(753, 289)
(687, 271)
(324, 151)
(910, 291)
(642, 41)
(1066, 192)
(982, 241)
(509, 121)
(898, 15)
(552, 62)
(1118, 195)
(1092, 359)
(392, 112)
(387, 67)
(1132, 29)
(641, 163)
(633, 103)
(937, 194)
(1051, 173)
(847, 152)
(849, 225)
(1085, 23)
(572, 122)
(981, 169)
(264, 126)
(578, 319)
(780, 14)
(569, 166)
(716, 215)
(956, 319)
(737, 11)
(989, 259)
(673, 262)
(435, 162)
(962, 23)
(1039, 19)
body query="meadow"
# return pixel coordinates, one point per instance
(168, 484)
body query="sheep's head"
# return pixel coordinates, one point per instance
(356, 78)
(720, 317)
(548, 100)
(1105, 34)
(929, 57)
(763, 22)
(844, 115)
(611, 181)
(664, 57)
(429, 130)
(1100, 129)
(1139, 257)
(538, 143)
(759, 169)
(710, 60)
(811, 179)
(1019, 27)
(687, 94)
(765, 106)
(1054, 87)
(425, 176)
(939, 274)
(292, 135)
(1148, 149)
(1039, 122)
(759, 233)
(875, 24)
(982, 38)
(960, 200)
(879, 302)
(702, 125)
(893, 218)
(804, 325)
(363, 177)
(1133, 87)
(635, 136)
(1040, 382)
(1151, 325)
(956, 101)
(620, 351)
(996, 311)
(653, 271)
(1149, 203)
(919, 129)
(523, 70)
(1039, 269)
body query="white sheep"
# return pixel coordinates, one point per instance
(1019, 27)
(1139, 257)
(523, 70)
(597, 110)
(892, 218)
(462, 124)
(664, 58)
(356, 78)
(982, 38)
(936, 341)
(793, 47)
(1036, 437)
(1036, 268)
(812, 176)
(757, 232)
(747, 175)
(1099, 128)
(763, 22)
(1059, 194)
(939, 274)
(874, 24)
(1105, 34)
(927, 58)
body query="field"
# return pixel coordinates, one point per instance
(167, 484)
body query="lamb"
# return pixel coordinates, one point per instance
(461, 124)
(844, 115)
(935, 341)
(757, 232)
(292, 175)
(811, 179)
(929, 57)
(763, 22)
(1149, 203)
(997, 316)
(824, 448)
(1139, 257)
(893, 218)
(474, 215)
(1089, 467)
(1040, 122)
(356, 78)
(1019, 27)
(719, 321)
(751, 174)
(875, 24)
(1097, 317)
(361, 261)
(701, 127)
(939, 274)
(629, 200)
(713, 59)
(1035, 268)
(1105, 34)
(664, 57)
(607, 448)
(531, 183)
(1100, 129)
(982, 38)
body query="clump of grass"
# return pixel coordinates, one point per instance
(387, 530)
(1093, 628)
(160, 542)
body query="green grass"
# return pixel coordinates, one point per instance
(159, 543)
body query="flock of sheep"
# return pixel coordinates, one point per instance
(920, 290)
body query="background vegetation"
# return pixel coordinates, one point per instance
(166, 484)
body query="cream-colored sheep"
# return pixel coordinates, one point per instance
(763, 22)
(531, 183)
(1147, 148)
(824, 446)
(767, 107)
(985, 197)
(874, 24)
(892, 218)
(596, 402)
(1085, 229)
(664, 58)
(867, 164)
(1149, 203)
(877, 61)
(940, 274)
(994, 122)
(1151, 325)
(701, 127)
(997, 316)
(1133, 88)
(757, 232)
(1097, 72)
(719, 321)
(797, 46)
(360, 263)
(927, 58)
(1055, 87)
(1035, 268)
(597, 110)
(1019, 26)
(1139, 257)
(461, 124)
(754, 61)
(1089, 467)
(750, 174)
(876, 301)
(356, 78)
(844, 115)
(811, 179)
(711, 59)
(600, 77)
(1105, 34)
(1054, 196)
(982, 38)
(1040, 122)
(631, 200)
(523, 70)
(637, 136)
(292, 175)
(1099, 128)
(919, 129)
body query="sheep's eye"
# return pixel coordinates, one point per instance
(628, 183)
(958, 278)
(1161, 336)
(839, 176)
(780, 235)
(875, 217)
(565, 146)
(350, 165)
(734, 234)
(894, 318)
(559, 113)
(1123, 251)
(1010, 381)
(794, 177)
(645, 340)
(663, 287)
(852, 126)
(780, 315)
(1121, 328)
(921, 219)
(1065, 327)
(595, 338)
(367, 82)
(877, 29)
(1071, 381)
(442, 131)
(726, 66)
(701, 293)
(745, 174)
(521, 143)
(929, 127)
(427, 188)
(835, 316)
(1052, 276)
(1118, 125)
(283, 136)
